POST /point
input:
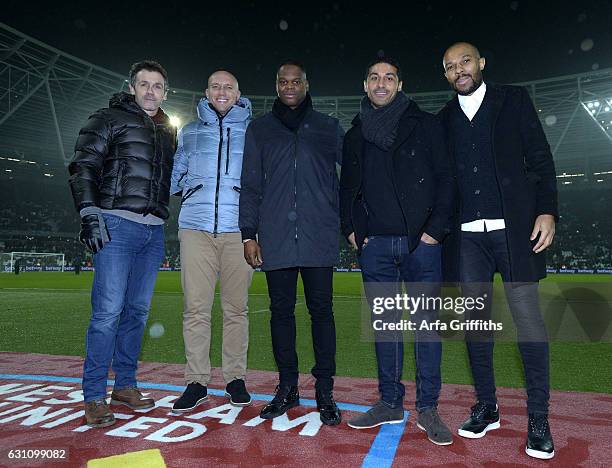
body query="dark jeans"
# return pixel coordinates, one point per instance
(483, 253)
(318, 289)
(386, 263)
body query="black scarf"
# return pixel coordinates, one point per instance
(379, 125)
(291, 118)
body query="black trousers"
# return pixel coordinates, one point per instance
(483, 253)
(318, 289)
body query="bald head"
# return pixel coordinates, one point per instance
(463, 67)
(464, 47)
(222, 91)
(222, 76)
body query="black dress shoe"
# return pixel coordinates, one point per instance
(327, 408)
(286, 397)
(484, 418)
(539, 439)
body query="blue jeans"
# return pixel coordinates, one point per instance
(125, 273)
(386, 263)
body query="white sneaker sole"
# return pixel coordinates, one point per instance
(431, 440)
(233, 403)
(539, 454)
(395, 421)
(197, 403)
(478, 435)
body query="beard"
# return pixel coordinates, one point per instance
(476, 82)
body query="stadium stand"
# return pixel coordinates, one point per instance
(46, 95)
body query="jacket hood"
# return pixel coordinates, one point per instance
(126, 102)
(240, 112)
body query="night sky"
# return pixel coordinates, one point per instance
(521, 40)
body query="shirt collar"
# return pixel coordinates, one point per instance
(474, 99)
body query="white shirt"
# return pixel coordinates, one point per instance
(470, 105)
(482, 225)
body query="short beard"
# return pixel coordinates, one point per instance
(475, 85)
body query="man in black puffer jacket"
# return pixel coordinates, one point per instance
(120, 182)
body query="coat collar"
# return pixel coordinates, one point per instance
(238, 113)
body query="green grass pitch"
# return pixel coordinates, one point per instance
(49, 312)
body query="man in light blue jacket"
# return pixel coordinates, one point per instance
(206, 175)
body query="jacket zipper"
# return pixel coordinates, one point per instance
(146, 212)
(219, 154)
(227, 152)
(295, 184)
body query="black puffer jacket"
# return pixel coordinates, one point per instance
(123, 160)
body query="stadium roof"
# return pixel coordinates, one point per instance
(46, 95)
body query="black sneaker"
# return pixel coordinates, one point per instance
(237, 393)
(484, 418)
(195, 394)
(539, 440)
(286, 397)
(327, 408)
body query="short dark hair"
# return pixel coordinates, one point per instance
(384, 59)
(149, 65)
(295, 63)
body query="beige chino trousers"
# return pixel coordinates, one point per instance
(204, 260)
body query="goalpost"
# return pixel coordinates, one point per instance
(32, 261)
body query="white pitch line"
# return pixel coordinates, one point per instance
(170, 293)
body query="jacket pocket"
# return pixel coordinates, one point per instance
(118, 181)
(190, 192)
(227, 149)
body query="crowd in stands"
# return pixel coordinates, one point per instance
(45, 220)
(583, 237)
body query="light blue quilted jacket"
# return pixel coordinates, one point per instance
(207, 167)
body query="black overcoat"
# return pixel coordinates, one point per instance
(525, 174)
(289, 194)
(422, 178)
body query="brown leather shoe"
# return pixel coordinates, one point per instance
(98, 414)
(132, 398)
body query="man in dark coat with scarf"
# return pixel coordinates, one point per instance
(396, 196)
(290, 224)
(506, 219)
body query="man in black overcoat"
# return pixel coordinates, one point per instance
(396, 199)
(505, 221)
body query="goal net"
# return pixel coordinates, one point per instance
(31, 261)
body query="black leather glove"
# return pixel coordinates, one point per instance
(94, 234)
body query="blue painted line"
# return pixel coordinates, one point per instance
(381, 453)
(176, 388)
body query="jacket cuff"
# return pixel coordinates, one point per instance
(548, 209)
(248, 233)
(346, 230)
(437, 234)
(89, 210)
